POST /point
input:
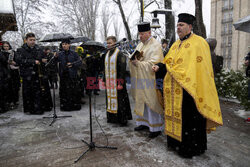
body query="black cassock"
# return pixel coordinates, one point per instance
(69, 90)
(13, 82)
(4, 76)
(35, 88)
(124, 110)
(194, 137)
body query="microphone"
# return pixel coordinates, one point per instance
(119, 42)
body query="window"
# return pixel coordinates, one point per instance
(224, 52)
(229, 40)
(231, 3)
(231, 14)
(230, 28)
(225, 16)
(224, 40)
(225, 3)
(229, 52)
(225, 28)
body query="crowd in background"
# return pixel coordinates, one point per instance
(48, 74)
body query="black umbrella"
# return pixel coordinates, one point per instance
(55, 37)
(243, 24)
(79, 39)
(97, 46)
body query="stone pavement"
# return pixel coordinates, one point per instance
(28, 141)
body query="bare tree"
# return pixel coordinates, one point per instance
(116, 26)
(78, 16)
(105, 20)
(169, 23)
(29, 19)
(28, 14)
(125, 22)
(199, 27)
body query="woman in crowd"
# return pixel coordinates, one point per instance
(13, 77)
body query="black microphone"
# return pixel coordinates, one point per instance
(117, 44)
(122, 40)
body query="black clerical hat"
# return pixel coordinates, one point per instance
(186, 18)
(143, 27)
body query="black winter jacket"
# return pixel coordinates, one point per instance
(26, 58)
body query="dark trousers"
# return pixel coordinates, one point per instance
(13, 87)
(32, 95)
(69, 92)
(3, 95)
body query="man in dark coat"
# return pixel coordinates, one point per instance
(29, 59)
(69, 64)
(117, 101)
(4, 75)
(51, 67)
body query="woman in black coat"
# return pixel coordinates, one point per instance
(4, 76)
(13, 79)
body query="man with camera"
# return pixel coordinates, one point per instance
(247, 59)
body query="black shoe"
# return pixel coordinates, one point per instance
(184, 155)
(141, 127)
(154, 134)
(37, 113)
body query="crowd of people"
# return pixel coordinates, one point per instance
(173, 88)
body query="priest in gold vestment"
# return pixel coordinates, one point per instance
(149, 111)
(117, 101)
(191, 101)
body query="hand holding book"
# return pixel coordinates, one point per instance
(136, 54)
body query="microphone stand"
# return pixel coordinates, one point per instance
(55, 116)
(91, 145)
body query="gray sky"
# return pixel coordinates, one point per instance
(179, 6)
(187, 6)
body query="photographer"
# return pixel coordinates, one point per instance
(247, 63)
(247, 59)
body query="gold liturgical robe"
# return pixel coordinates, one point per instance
(143, 82)
(189, 67)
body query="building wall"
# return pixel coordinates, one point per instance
(233, 45)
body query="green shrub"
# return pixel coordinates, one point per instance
(233, 84)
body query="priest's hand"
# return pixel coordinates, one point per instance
(55, 54)
(37, 62)
(155, 68)
(119, 87)
(69, 65)
(44, 60)
(135, 61)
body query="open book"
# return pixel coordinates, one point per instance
(136, 54)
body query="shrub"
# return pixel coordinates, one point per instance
(233, 84)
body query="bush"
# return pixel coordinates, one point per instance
(233, 84)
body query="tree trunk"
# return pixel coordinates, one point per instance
(169, 23)
(199, 27)
(118, 2)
